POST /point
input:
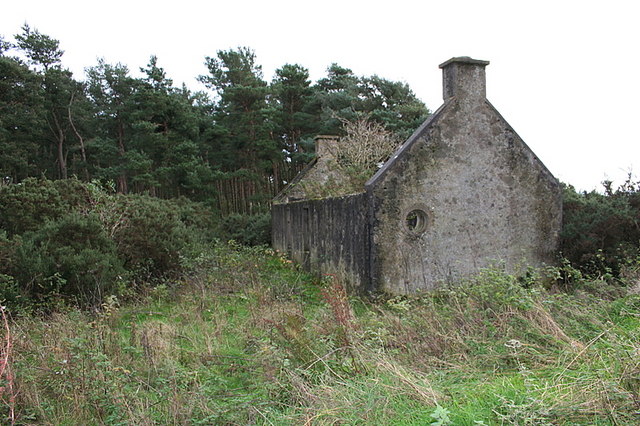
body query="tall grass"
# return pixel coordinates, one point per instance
(246, 338)
(7, 392)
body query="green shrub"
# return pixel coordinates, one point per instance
(9, 290)
(72, 239)
(247, 229)
(196, 216)
(6, 252)
(26, 206)
(601, 230)
(72, 257)
(149, 235)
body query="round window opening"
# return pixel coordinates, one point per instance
(416, 221)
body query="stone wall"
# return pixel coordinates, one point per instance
(463, 193)
(326, 236)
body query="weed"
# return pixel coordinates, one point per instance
(7, 390)
(244, 337)
(441, 416)
(335, 295)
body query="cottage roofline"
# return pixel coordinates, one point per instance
(400, 152)
(536, 159)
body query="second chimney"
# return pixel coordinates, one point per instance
(326, 146)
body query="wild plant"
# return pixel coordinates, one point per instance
(335, 295)
(7, 389)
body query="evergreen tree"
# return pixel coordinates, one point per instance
(176, 123)
(242, 113)
(111, 91)
(343, 95)
(4, 45)
(393, 104)
(42, 50)
(337, 96)
(59, 94)
(297, 120)
(149, 136)
(292, 92)
(22, 120)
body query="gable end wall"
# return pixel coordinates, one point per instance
(488, 198)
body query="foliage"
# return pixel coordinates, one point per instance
(41, 49)
(67, 240)
(600, 231)
(72, 258)
(246, 229)
(21, 120)
(149, 234)
(242, 111)
(27, 206)
(344, 96)
(293, 97)
(234, 148)
(250, 339)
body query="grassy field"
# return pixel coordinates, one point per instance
(247, 338)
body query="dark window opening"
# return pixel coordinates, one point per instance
(416, 221)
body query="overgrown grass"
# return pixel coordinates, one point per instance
(247, 338)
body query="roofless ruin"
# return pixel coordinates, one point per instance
(462, 193)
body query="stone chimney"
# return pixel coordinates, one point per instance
(326, 146)
(464, 77)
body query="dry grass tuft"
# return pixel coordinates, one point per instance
(7, 391)
(542, 319)
(157, 340)
(413, 382)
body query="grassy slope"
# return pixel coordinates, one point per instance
(248, 339)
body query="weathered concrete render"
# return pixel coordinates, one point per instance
(328, 236)
(462, 193)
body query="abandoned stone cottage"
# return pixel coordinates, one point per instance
(462, 193)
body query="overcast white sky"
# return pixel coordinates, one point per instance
(563, 73)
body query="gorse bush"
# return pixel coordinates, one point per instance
(27, 206)
(76, 242)
(72, 257)
(246, 229)
(6, 251)
(601, 231)
(149, 234)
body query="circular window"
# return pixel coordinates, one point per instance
(416, 221)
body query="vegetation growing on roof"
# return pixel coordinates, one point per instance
(364, 148)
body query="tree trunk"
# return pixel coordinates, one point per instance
(122, 179)
(83, 153)
(60, 139)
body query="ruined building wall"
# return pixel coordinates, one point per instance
(462, 193)
(326, 236)
(483, 196)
